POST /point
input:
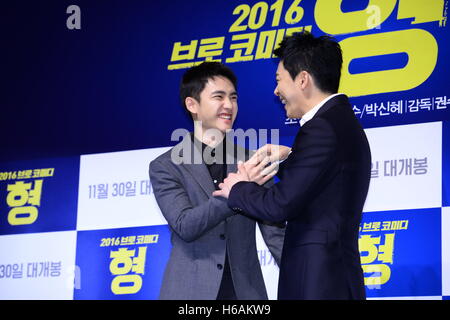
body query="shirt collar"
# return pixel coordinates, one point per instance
(311, 113)
(210, 151)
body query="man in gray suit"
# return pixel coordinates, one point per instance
(214, 252)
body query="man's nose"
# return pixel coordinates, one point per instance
(275, 92)
(228, 103)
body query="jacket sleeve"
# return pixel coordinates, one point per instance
(188, 222)
(273, 233)
(313, 153)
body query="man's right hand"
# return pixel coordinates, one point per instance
(263, 165)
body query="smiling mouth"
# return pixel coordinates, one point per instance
(226, 116)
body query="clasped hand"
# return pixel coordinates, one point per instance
(261, 167)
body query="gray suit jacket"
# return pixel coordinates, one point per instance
(202, 226)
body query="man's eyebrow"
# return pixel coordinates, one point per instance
(218, 92)
(223, 92)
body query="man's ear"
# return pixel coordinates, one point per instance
(191, 105)
(303, 79)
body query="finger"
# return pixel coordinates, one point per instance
(265, 149)
(267, 178)
(264, 162)
(254, 159)
(256, 172)
(261, 153)
(218, 193)
(242, 170)
(271, 168)
(251, 165)
(274, 153)
(230, 175)
(256, 163)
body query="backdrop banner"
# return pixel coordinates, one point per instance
(91, 98)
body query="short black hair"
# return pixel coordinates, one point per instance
(195, 79)
(321, 57)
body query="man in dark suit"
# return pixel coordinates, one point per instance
(213, 252)
(323, 181)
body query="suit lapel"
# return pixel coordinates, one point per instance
(201, 174)
(230, 156)
(193, 163)
(199, 171)
(235, 153)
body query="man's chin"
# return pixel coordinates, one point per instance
(291, 115)
(224, 128)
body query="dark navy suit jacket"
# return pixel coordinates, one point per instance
(321, 193)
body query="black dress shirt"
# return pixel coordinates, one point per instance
(214, 159)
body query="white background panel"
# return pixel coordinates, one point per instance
(405, 190)
(408, 298)
(270, 271)
(121, 207)
(446, 251)
(32, 251)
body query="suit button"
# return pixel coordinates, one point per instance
(219, 266)
(222, 236)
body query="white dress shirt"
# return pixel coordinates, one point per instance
(310, 114)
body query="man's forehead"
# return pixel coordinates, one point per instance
(220, 83)
(280, 68)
